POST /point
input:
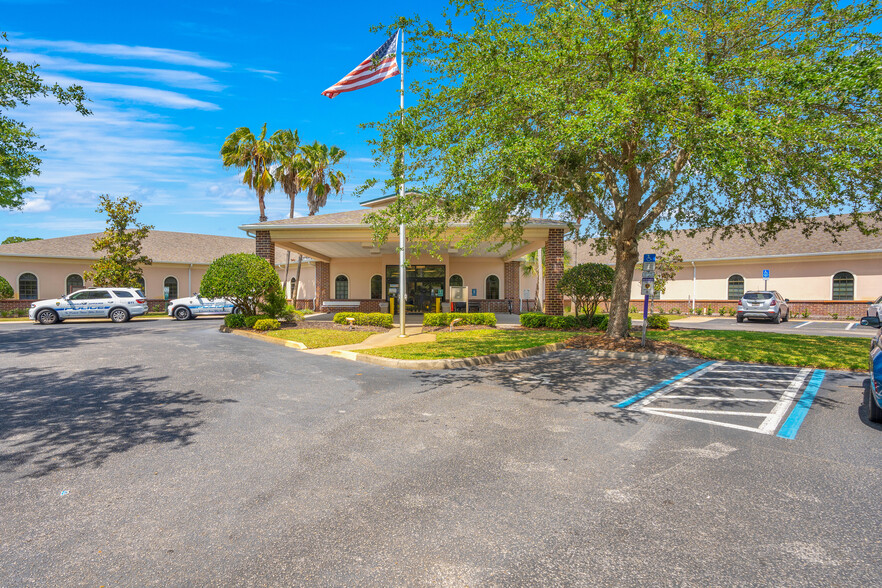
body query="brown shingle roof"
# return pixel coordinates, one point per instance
(160, 246)
(788, 242)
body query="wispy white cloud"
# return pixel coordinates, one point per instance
(140, 94)
(171, 77)
(268, 72)
(37, 205)
(162, 55)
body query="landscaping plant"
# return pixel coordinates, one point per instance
(371, 319)
(443, 319)
(658, 322)
(266, 324)
(6, 290)
(587, 284)
(234, 321)
(121, 243)
(243, 278)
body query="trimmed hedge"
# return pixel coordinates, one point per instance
(657, 321)
(370, 319)
(443, 319)
(562, 323)
(533, 320)
(234, 321)
(250, 320)
(267, 324)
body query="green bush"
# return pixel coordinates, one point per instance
(443, 319)
(244, 278)
(267, 324)
(274, 303)
(658, 321)
(250, 320)
(562, 323)
(675, 311)
(6, 290)
(371, 319)
(291, 314)
(533, 320)
(235, 321)
(603, 323)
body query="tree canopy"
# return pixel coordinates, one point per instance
(121, 243)
(14, 239)
(20, 83)
(634, 117)
(244, 278)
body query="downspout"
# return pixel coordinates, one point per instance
(189, 280)
(693, 287)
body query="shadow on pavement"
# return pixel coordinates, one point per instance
(40, 339)
(53, 420)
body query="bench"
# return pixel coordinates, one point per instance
(341, 304)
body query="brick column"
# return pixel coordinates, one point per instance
(554, 249)
(322, 283)
(513, 284)
(264, 246)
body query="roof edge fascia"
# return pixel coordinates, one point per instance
(248, 228)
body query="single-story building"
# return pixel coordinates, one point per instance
(348, 272)
(52, 267)
(818, 275)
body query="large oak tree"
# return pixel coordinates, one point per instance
(637, 117)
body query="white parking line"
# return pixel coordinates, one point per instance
(712, 379)
(803, 324)
(850, 326)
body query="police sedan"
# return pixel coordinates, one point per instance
(117, 304)
(187, 308)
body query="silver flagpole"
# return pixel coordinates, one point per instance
(402, 269)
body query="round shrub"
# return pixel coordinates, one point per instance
(443, 319)
(251, 320)
(6, 290)
(658, 321)
(267, 324)
(244, 278)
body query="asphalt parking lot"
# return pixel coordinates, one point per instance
(792, 327)
(159, 453)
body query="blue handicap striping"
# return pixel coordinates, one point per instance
(797, 415)
(657, 387)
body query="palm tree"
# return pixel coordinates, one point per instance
(288, 174)
(255, 155)
(319, 178)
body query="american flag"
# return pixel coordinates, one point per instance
(381, 65)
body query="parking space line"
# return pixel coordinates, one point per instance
(769, 425)
(850, 326)
(700, 420)
(688, 375)
(793, 422)
(803, 324)
(730, 398)
(704, 411)
(735, 388)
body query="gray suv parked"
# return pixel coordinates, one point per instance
(763, 304)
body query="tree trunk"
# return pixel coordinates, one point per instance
(626, 261)
(296, 285)
(287, 269)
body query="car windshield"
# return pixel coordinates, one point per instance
(758, 296)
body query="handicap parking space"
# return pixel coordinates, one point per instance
(793, 326)
(756, 398)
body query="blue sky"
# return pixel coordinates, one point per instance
(168, 82)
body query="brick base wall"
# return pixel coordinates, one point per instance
(819, 309)
(12, 304)
(371, 305)
(264, 246)
(303, 304)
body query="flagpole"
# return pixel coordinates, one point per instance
(402, 262)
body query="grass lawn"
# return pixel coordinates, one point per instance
(472, 344)
(315, 338)
(773, 348)
(23, 318)
(671, 317)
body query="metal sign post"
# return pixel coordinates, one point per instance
(647, 287)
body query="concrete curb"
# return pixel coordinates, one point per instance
(273, 340)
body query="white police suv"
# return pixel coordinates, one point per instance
(117, 304)
(186, 308)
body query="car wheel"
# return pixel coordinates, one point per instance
(739, 319)
(182, 313)
(777, 319)
(786, 317)
(119, 315)
(47, 317)
(874, 413)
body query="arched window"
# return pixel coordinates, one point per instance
(170, 288)
(843, 286)
(142, 285)
(376, 287)
(27, 287)
(456, 280)
(341, 288)
(736, 287)
(492, 288)
(72, 283)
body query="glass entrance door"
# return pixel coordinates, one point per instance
(425, 284)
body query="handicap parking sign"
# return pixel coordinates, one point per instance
(474, 291)
(766, 274)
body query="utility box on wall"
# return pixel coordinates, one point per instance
(459, 298)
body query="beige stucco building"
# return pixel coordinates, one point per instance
(51, 267)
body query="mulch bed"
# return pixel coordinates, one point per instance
(331, 326)
(631, 344)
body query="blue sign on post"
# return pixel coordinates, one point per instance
(766, 274)
(649, 258)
